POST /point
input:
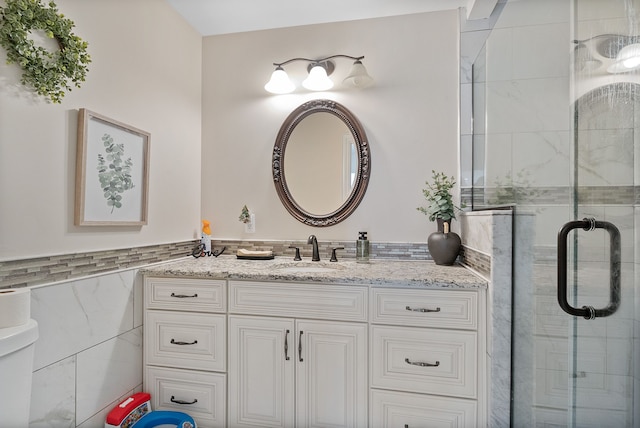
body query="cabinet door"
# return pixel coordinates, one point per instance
(261, 369)
(331, 374)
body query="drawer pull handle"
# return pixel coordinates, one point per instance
(421, 364)
(183, 296)
(300, 347)
(173, 400)
(286, 345)
(409, 308)
(175, 342)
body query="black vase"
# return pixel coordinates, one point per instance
(444, 247)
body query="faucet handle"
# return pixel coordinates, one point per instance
(334, 258)
(297, 257)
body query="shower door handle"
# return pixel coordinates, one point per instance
(589, 312)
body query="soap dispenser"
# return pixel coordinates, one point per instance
(362, 248)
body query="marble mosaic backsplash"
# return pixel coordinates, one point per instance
(50, 269)
(550, 195)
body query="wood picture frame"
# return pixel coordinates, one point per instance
(112, 172)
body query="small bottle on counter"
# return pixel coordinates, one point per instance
(362, 248)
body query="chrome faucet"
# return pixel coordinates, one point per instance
(316, 254)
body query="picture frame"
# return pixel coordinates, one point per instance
(112, 172)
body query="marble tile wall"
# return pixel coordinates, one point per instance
(89, 352)
(490, 233)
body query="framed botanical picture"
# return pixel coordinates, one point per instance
(112, 172)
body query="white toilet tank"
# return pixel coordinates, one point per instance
(16, 368)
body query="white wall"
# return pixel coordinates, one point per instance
(410, 117)
(145, 72)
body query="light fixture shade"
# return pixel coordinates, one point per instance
(627, 59)
(317, 79)
(358, 77)
(279, 82)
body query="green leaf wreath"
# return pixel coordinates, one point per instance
(49, 74)
(114, 173)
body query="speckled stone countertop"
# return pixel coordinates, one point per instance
(376, 272)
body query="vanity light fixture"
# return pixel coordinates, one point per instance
(319, 71)
(627, 59)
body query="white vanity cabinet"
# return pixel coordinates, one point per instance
(427, 358)
(297, 355)
(185, 335)
(294, 354)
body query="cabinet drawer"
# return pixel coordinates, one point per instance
(185, 340)
(199, 394)
(442, 362)
(185, 294)
(425, 308)
(329, 302)
(401, 409)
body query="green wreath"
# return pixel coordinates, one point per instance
(48, 73)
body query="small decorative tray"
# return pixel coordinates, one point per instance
(254, 255)
(271, 257)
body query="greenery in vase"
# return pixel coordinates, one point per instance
(438, 195)
(114, 173)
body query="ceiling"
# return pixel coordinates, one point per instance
(213, 17)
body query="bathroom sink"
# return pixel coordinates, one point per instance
(309, 267)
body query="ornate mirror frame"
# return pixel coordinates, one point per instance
(363, 170)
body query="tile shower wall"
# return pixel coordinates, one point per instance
(527, 155)
(487, 235)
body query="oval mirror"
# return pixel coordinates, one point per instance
(321, 163)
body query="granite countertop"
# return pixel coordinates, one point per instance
(376, 272)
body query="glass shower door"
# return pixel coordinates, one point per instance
(598, 250)
(557, 136)
(603, 356)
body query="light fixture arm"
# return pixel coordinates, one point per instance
(320, 60)
(319, 71)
